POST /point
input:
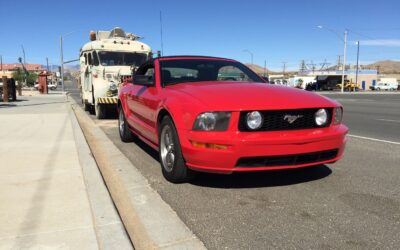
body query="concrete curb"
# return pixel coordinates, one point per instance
(150, 222)
(110, 231)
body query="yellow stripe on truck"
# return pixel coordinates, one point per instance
(107, 100)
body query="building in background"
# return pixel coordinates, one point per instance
(328, 80)
(9, 69)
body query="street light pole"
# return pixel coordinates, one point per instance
(344, 49)
(344, 58)
(62, 63)
(251, 54)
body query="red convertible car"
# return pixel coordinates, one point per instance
(216, 115)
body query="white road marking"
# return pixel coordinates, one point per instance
(374, 139)
(387, 120)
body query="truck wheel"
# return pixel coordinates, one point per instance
(172, 163)
(87, 106)
(124, 133)
(100, 111)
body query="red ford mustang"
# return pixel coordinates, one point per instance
(216, 115)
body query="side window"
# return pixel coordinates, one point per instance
(231, 73)
(95, 59)
(90, 59)
(86, 59)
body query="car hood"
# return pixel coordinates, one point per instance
(236, 96)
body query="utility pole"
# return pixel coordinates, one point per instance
(358, 56)
(338, 63)
(23, 52)
(344, 58)
(161, 35)
(62, 63)
(312, 65)
(324, 64)
(265, 67)
(47, 63)
(303, 66)
(1, 63)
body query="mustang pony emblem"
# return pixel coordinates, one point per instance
(291, 118)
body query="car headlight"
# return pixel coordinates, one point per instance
(212, 121)
(254, 120)
(338, 115)
(113, 86)
(321, 117)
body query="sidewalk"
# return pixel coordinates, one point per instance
(47, 198)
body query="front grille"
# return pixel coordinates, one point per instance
(274, 120)
(287, 160)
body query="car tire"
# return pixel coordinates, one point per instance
(172, 163)
(124, 133)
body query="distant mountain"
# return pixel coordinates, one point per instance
(385, 67)
(258, 69)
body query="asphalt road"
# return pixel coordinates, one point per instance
(353, 204)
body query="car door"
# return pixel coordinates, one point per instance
(143, 102)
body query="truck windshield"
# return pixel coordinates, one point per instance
(108, 58)
(200, 70)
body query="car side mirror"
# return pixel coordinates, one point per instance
(143, 80)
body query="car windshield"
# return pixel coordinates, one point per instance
(201, 70)
(121, 58)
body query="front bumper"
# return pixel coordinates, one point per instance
(107, 100)
(250, 145)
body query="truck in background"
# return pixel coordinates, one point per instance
(105, 61)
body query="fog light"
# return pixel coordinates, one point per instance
(209, 145)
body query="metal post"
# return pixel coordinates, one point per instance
(5, 89)
(358, 56)
(344, 58)
(62, 63)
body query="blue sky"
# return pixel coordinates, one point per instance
(275, 31)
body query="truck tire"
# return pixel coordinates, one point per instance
(100, 111)
(87, 106)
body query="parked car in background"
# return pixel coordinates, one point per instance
(52, 85)
(199, 121)
(384, 86)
